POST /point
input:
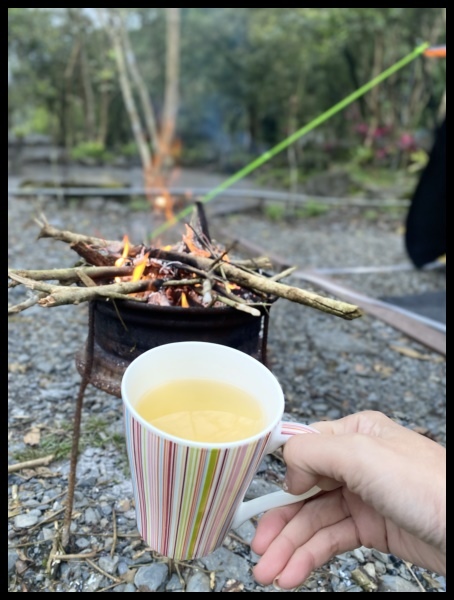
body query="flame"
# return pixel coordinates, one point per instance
(140, 268)
(184, 301)
(233, 286)
(122, 260)
(189, 241)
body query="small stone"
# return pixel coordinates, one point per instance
(384, 558)
(358, 554)
(26, 520)
(130, 587)
(108, 564)
(151, 579)
(355, 588)
(198, 582)
(228, 565)
(94, 582)
(174, 584)
(371, 570)
(391, 583)
(82, 543)
(48, 533)
(12, 558)
(91, 516)
(123, 506)
(246, 532)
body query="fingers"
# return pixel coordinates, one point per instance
(367, 422)
(318, 550)
(283, 532)
(271, 525)
(323, 460)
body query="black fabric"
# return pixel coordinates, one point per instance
(425, 236)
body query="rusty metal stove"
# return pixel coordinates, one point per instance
(123, 330)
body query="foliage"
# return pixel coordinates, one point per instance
(275, 212)
(249, 77)
(311, 209)
(91, 150)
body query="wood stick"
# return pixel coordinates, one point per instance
(48, 231)
(62, 295)
(31, 464)
(71, 275)
(242, 307)
(18, 308)
(264, 285)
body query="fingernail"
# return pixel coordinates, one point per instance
(276, 585)
(285, 486)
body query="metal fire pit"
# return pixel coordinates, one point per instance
(123, 330)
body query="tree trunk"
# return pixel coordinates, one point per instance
(171, 98)
(373, 99)
(147, 107)
(126, 88)
(104, 114)
(68, 77)
(89, 96)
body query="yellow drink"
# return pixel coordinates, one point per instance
(202, 410)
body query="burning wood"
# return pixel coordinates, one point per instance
(196, 272)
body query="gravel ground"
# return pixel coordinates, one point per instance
(327, 367)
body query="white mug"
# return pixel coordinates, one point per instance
(188, 495)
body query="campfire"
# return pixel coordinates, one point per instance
(142, 296)
(196, 272)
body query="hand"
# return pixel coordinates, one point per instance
(384, 487)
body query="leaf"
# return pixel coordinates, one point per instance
(33, 437)
(383, 370)
(17, 368)
(213, 581)
(411, 353)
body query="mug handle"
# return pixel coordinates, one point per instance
(247, 510)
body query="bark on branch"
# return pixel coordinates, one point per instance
(264, 285)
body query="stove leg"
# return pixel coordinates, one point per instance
(76, 432)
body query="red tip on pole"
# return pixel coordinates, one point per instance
(436, 52)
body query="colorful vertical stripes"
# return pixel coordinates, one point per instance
(186, 497)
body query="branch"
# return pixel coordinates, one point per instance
(237, 305)
(266, 286)
(31, 464)
(72, 275)
(61, 295)
(48, 231)
(18, 308)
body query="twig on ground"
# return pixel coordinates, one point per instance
(115, 534)
(30, 464)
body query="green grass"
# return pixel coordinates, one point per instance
(94, 433)
(312, 209)
(275, 212)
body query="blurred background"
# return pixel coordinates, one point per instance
(213, 88)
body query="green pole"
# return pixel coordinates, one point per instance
(258, 162)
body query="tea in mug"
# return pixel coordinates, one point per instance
(202, 410)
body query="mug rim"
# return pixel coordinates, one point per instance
(267, 430)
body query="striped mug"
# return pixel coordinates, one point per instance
(189, 494)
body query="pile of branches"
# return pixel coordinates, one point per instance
(195, 272)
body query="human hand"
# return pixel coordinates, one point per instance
(384, 487)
